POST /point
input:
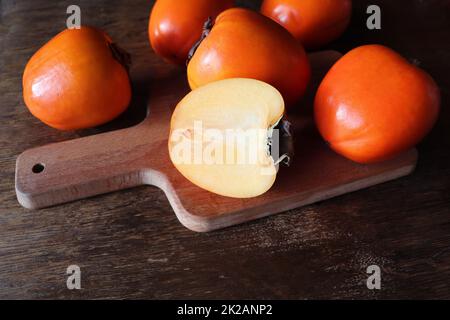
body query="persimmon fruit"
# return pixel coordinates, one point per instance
(230, 122)
(78, 79)
(373, 104)
(175, 26)
(313, 22)
(246, 44)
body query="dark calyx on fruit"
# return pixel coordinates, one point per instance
(122, 56)
(207, 26)
(285, 143)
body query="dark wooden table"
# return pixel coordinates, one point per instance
(130, 245)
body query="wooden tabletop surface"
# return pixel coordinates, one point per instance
(129, 244)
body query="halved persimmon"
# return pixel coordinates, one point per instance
(222, 137)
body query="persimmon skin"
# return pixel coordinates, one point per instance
(175, 26)
(313, 22)
(246, 44)
(373, 104)
(75, 82)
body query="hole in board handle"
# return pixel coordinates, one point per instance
(38, 168)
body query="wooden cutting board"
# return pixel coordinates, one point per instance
(80, 168)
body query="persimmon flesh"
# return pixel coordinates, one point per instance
(246, 44)
(373, 104)
(219, 136)
(77, 80)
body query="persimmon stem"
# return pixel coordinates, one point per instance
(207, 26)
(415, 62)
(122, 56)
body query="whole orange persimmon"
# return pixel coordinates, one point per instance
(175, 26)
(246, 44)
(77, 80)
(313, 22)
(373, 104)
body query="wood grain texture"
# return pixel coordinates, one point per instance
(130, 245)
(135, 156)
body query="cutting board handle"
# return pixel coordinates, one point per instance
(80, 168)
